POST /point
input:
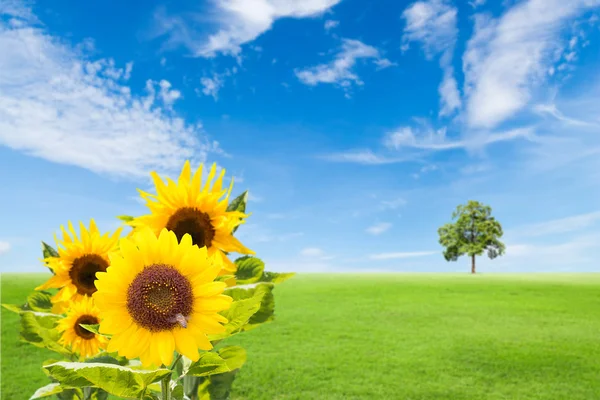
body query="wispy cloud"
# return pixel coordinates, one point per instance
(552, 110)
(508, 57)
(400, 255)
(567, 255)
(433, 24)
(367, 157)
(379, 228)
(393, 204)
(4, 247)
(340, 71)
(315, 253)
(211, 86)
(572, 223)
(330, 24)
(239, 22)
(56, 105)
(436, 140)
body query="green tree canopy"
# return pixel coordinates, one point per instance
(473, 232)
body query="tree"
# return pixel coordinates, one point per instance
(473, 232)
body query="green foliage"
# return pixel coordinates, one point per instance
(276, 277)
(238, 204)
(126, 218)
(40, 301)
(218, 387)
(92, 328)
(48, 251)
(48, 390)
(15, 308)
(39, 329)
(249, 270)
(208, 364)
(473, 232)
(117, 380)
(237, 315)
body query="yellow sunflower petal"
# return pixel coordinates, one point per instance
(185, 344)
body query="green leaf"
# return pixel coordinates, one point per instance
(48, 390)
(39, 329)
(99, 394)
(115, 379)
(237, 315)
(177, 392)
(104, 359)
(249, 270)
(14, 308)
(264, 293)
(234, 356)
(92, 328)
(48, 251)
(208, 364)
(40, 301)
(190, 385)
(276, 277)
(218, 387)
(238, 204)
(125, 218)
(71, 394)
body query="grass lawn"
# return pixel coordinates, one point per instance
(404, 336)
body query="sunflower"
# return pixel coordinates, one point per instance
(158, 296)
(187, 208)
(80, 340)
(77, 263)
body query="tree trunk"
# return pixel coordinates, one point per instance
(473, 264)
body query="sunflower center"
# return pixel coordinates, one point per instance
(157, 295)
(194, 222)
(86, 320)
(83, 272)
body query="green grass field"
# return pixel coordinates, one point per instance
(404, 336)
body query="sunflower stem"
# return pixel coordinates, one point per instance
(175, 362)
(165, 386)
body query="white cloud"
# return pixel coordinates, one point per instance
(379, 228)
(393, 204)
(340, 70)
(315, 253)
(477, 3)
(400, 255)
(330, 24)
(507, 58)
(431, 139)
(574, 254)
(557, 226)
(433, 24)
(4, 247)
(424, 170)
(211, 86)
(366, 157)
(552, 110)
(56, 105)
(239, 22)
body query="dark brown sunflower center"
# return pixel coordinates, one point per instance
(86, 320)
(83, 272)
(195, 222)
(157, 295)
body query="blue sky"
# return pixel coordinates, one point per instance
(357, 126)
